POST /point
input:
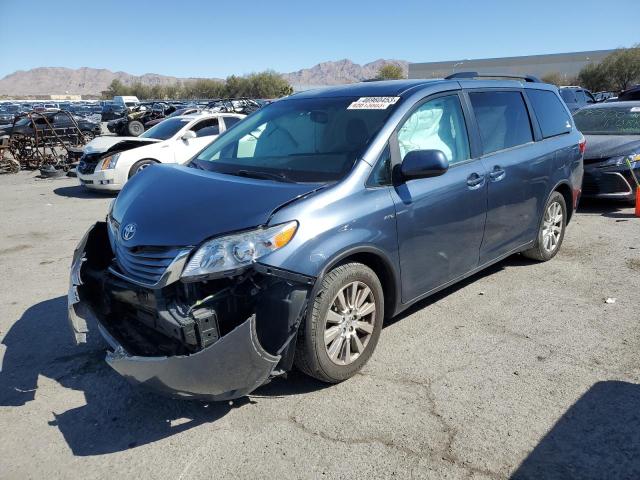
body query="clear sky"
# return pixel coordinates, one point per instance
(217, 38)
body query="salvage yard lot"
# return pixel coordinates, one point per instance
(523, 370)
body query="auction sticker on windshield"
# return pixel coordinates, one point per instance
(373, 103)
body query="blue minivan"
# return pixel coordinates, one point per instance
(294, 235)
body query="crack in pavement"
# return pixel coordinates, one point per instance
(445, 453)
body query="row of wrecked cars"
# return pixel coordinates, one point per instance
(54, 140)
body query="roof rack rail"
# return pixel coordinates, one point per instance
(526, 78)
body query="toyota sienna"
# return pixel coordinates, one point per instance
(292, 237)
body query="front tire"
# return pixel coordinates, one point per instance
(551, 230)
(343, 325)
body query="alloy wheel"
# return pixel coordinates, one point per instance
(552, 227)
(349, 323)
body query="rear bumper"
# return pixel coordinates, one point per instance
(233, 365)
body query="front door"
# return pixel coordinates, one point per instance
(440, 220)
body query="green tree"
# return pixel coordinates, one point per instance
(623, 67)
(618, 71)
(116, 87)
(390, 71)
(594, 77)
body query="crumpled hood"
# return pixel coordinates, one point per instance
(105, 143)
(605, 146)
(174, 205)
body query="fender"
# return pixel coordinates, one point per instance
(390, 266)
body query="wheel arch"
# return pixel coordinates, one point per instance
(130, 171)
(564, 189)
(377, 261)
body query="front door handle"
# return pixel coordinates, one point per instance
(497, 174)
(475, 181)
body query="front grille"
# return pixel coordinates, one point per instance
(145, 265)
(606, 183)
(88, 164)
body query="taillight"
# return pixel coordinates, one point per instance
(582, 144)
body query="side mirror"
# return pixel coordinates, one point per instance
(423, 164)
(188, 135)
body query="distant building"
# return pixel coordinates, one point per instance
(568, 65)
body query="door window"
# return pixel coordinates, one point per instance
(436, 125)
(230, 121)
(503, 119)
(206, 128)
(582, 98)
(552, 115)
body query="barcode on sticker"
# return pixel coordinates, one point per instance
(373, 103)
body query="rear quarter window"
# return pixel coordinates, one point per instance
(551, 114)
(503, 119)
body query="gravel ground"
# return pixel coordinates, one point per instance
(523, 370)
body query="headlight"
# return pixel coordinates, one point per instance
(235, 251)
(632, 160)
(109, 162)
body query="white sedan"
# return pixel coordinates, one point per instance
(108, 162)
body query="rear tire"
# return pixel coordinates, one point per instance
(551, 230)
(140, 165)
(135, 128)
(341, 318)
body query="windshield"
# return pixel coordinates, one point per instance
(303, 140)
(609, 121)
(165, 129)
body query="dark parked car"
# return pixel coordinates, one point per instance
(632, 93)
(113, 111)
(8, 112)
(576, 97)
(612, 131)
(181, 111)
(133, 124)
(296, 233)
(60, 121)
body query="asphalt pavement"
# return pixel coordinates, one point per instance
(521, 371)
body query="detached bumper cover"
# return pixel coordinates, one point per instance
(233, 366)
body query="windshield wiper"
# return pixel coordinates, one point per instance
(279, 177)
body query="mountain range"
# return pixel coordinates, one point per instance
(92, 81)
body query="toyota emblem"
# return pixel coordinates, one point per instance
(129, 231)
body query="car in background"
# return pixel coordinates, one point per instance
(8, 112)
(612, 131)
(293, 236)
(108, 162)
(576, 97)
(128, 101)
(133, 124)
(632, 93)
(180, 111)
(113, 111)
(604, 96)
(60, 121)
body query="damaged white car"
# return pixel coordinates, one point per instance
(108, 162)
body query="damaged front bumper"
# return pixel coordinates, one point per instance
(211, 340)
